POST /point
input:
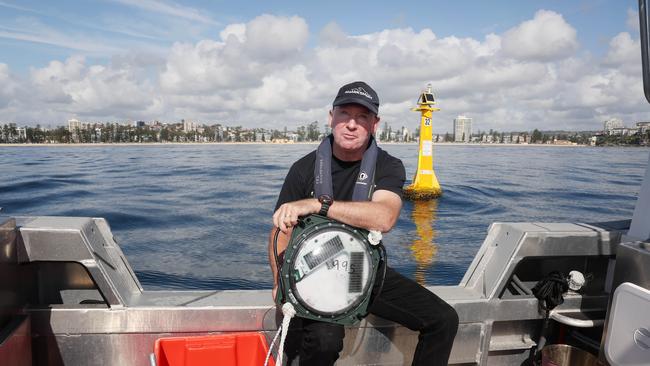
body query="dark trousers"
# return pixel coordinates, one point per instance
(401, 300)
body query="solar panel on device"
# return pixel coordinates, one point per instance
(329, 249)
(356, 274)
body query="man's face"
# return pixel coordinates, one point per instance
(352, 125)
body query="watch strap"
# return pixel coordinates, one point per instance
(324, 207)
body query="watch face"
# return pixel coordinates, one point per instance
(323, 198)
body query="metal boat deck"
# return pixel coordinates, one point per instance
(85, 306)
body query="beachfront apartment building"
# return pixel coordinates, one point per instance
(74, 125)
(611, 125)
(462, 129)
(189, 126)
(643, 127)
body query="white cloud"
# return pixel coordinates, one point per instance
(333, 36)
(270, 38)
(265, 73)
(8, 86)
(546, 37)
(244, 56)
(197, 68)
(625, 53)
(422, 54)
(237, 30)
(282, 90)
(73, 87)
(589, 91)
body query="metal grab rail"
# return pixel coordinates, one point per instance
(575, 322)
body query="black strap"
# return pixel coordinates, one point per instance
(549, 292)
(364, 185)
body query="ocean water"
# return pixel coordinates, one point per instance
(198, 216)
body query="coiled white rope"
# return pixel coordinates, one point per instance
(289, 312)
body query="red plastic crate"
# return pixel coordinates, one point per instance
(233, 349)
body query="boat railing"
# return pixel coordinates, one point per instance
(83, 285)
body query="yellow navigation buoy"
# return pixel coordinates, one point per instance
(425, 185)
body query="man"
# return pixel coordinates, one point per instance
(339, 189)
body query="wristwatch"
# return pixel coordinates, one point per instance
(325, 203)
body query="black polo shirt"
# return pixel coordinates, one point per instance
(299, 183)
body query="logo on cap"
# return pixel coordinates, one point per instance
(360, 91)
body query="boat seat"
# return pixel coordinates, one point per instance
(75, 253)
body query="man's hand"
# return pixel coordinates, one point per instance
(287, 215)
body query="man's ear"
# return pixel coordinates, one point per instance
(376, 125)
(330, 117)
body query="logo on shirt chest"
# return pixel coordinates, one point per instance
(363, 176)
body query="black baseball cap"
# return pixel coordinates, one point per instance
(358, 92)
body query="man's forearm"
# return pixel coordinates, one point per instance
(367, 215)
(380, 213)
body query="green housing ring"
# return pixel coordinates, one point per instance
(306, 229)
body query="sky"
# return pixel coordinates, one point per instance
(509, 65)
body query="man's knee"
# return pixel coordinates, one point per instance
(446, 321)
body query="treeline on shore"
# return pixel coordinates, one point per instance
(121, 133)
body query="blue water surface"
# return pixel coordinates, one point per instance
(198, 216)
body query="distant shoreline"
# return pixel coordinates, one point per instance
(157, 144)
(279, 144)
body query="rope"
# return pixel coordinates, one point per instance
(549, 291)
(268, 354)
(289, 312)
